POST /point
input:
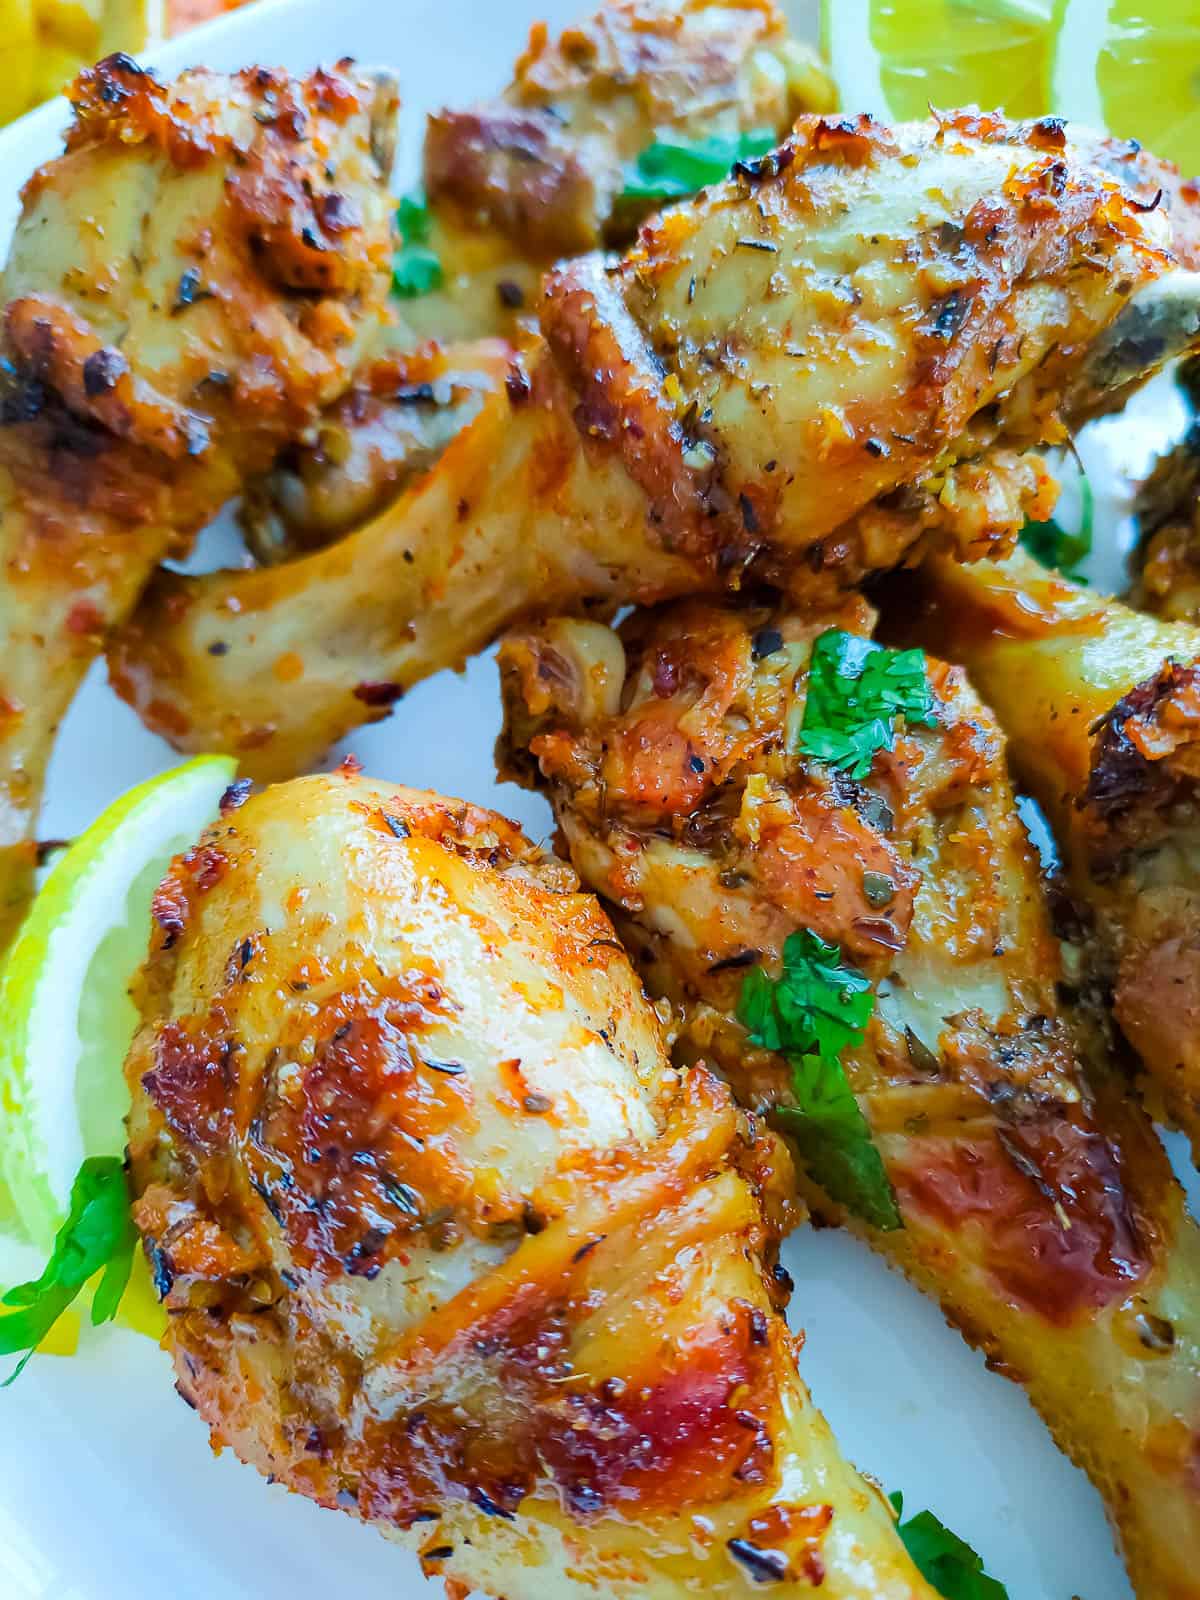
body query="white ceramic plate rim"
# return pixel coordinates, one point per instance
(106, 1483)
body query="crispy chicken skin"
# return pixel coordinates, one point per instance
(837, 355)
(861, 316)
(546, 162)
(1157, 182)
(1101, 707)
(188, 285)
(444, 1239)
(1035, 1204)
(278, 664)
(386, 431)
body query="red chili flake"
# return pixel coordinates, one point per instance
(665, 676)
(207, 866)
(169, 908)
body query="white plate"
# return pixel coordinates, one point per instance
(107, 1485)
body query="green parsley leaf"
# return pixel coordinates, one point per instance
(834, 1140)
(671, 168)
(415, 268)
(945, 1560)
(856, 690)
(814, 1010)
(412, 218)
(816, 1005)
(415, 271)
(98, 1235)
(1050, 543)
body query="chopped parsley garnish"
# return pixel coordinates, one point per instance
(415, 271)
(412, 218)
(816, 1006)
(670, 169)
(856, 690)
(1050, 543)
(945, 1560)
(815, 1009)
(415, 267)
(98, 1235)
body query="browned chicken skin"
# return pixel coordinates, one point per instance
(841, 353)
(189, 284)
(1101, 705)
(640, 72)
(545, 164)
(445, 1241)
(1031, 1197)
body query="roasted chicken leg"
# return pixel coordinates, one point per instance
(841, 353)
(549, 168)
(543, 171)
(189, 284)
(972, 1130)
(1101, 707)
(445, 1240)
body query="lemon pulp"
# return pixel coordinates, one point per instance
(1146, 69)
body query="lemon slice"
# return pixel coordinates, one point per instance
(1133, 67)
(20, 1258)
(66, 1018)
(898, 57)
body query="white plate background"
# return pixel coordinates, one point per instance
(107, 1485)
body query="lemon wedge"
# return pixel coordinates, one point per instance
(17, 78)
(898, 57)
(66, 1018)
(1133, 67)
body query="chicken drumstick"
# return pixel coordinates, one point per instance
(188, 285)
(849, 918)
(445, 1240)
(840, 352)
